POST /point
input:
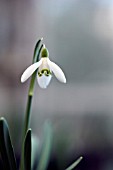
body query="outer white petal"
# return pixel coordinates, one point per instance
(57, 71)
(44, 81)
(30, 70)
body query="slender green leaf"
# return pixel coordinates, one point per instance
(6, 148)
(46, 147)
(36, 50)
(74, 164)
(35, 59)
(29, 101)
(27, 150)
(35, 151)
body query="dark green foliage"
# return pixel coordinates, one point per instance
(6, 148)
(27, 150)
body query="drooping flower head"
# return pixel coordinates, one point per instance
(45, 69)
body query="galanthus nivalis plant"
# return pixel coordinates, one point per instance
(43, 69)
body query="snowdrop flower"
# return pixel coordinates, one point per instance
(45, 68)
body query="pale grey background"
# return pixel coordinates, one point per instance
(79, 36)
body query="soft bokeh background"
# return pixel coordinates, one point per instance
(79, 36)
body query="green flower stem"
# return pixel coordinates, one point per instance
(29, 101)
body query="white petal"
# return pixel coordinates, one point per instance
(30, 70)
(44, 81)
(57, 71)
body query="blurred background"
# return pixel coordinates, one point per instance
(79, 36)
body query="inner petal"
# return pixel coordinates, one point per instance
(44, 65)
(44, 68)
(43, 80)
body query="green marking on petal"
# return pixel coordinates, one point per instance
(39, 74)
(46, 72)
